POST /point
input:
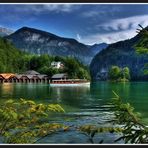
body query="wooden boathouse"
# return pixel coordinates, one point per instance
(30, 76)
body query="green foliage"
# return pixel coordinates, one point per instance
(117, 74)
(142, 50)
(142, 47)
(2, 67)
(25, 121)
(125, 73)
(146, 69)
(92, 130)
(9, 56)
(134, 131)
(72, 66)
(75, 69)
(114, 72)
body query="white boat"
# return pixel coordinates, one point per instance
(70, 84)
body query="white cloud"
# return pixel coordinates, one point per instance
(59, 8)
(39, 8)
(117, 30)
(125, 23)
(90, 13)
(101, 10)
(52, 8)
(109, 37)
(78, 37)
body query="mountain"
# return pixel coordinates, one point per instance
(5, 31)
(96, 48)
(121, 54)
(40, 42)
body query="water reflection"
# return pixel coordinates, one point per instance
(72, 96)
(6, 89)
(99, 93)
(103, 90)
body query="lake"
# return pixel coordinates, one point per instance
(83, 105)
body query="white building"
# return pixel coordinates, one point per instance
(57, 65)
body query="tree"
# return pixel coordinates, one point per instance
(125, 73)
(9, 56)
(44, 70)
(142, 46)
(58, 58)
(114, 72)
(83, 74)
(52, 71)
(71, 67)
(117, 74)
(2, 67)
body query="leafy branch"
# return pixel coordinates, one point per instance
(23, 121)
(134, 131)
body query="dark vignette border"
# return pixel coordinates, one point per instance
(72, 1)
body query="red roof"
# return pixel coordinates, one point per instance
(7, 75)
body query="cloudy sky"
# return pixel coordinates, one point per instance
(88, 23)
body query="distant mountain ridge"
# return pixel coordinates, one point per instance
(96, 48)
(41, 42)
(5, 31)
(121, 54)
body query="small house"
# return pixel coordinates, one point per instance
(57, 65)
(31, 72)
(58, 77)
(6, 77)
(32, 76)
(26, 77)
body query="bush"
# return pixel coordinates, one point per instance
(25, 121)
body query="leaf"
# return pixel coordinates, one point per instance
(14, 115)
(66, 128)
(9, 101)
(30, 102)
(115, 94)
(93, 133)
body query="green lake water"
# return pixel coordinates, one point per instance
(83, 105)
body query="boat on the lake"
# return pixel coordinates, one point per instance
(70, 83)
(62, 80)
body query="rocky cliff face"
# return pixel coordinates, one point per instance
(121, 54)
(40, 42)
